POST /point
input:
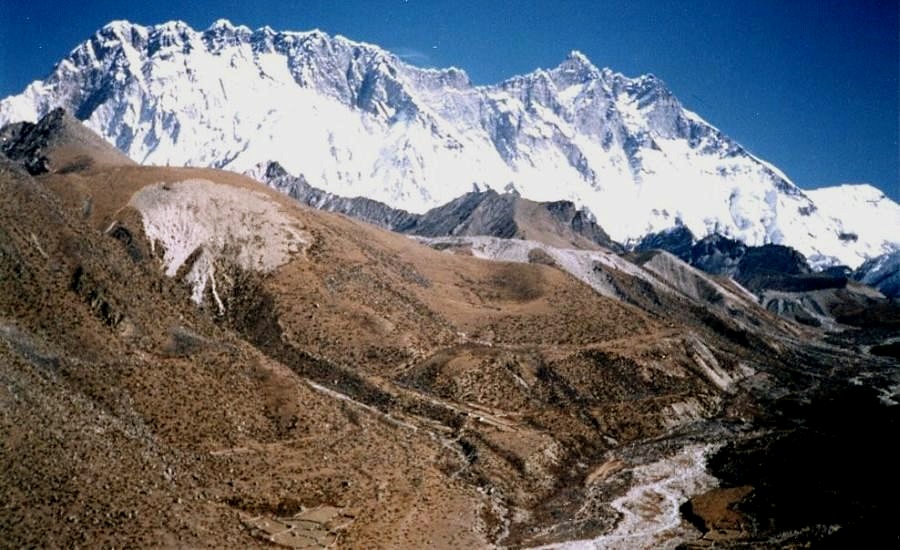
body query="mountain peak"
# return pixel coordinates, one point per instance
(355, 120)
(171, 27)
(221, 24)
(650, 80)
(317, 34)
(575, 56)
(118, 25)
(576, 68)
(865, 189)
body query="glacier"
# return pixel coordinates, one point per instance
(355, 120)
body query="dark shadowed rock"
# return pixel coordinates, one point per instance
(58, 142)
(367, 210)
(882, 272)
(678, 241)
(718, 255)
(715, 254)
(777, 267)
(475, 213)
(837, 271)
(490, 213)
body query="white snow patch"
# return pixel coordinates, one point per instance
(581, 264)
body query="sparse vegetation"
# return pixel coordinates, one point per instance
(374, 390)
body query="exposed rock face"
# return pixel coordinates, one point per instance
(56, 142)
(486, 212)
(361, 208)
(16, 143)
(718, 255)
(678, 241)
(476, 213)
(778, 275)
(758, 268)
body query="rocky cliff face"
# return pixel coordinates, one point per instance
(758, 268)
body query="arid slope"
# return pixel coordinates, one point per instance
(192, 359)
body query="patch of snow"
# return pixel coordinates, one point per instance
(581, 264)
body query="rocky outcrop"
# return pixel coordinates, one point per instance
(478, 212)
(56, 142)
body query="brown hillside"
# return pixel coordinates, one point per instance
(191, 359)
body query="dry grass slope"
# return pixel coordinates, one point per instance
(404, 396)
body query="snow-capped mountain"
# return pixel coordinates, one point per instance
(883, 273)
(355, 120)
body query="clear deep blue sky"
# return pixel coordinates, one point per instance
(810, 85)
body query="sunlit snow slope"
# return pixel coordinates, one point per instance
(355, 120)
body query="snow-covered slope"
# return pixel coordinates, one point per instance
(883, 273)
(863, 215)
(355, 120)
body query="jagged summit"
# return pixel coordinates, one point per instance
(355, 120)
(577, 56)
(225, 24)
(575, 69)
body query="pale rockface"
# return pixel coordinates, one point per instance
(355, 120)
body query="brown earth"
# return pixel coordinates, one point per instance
(371, 392)
(715, 514)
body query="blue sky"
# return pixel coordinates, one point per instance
(810, 85)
